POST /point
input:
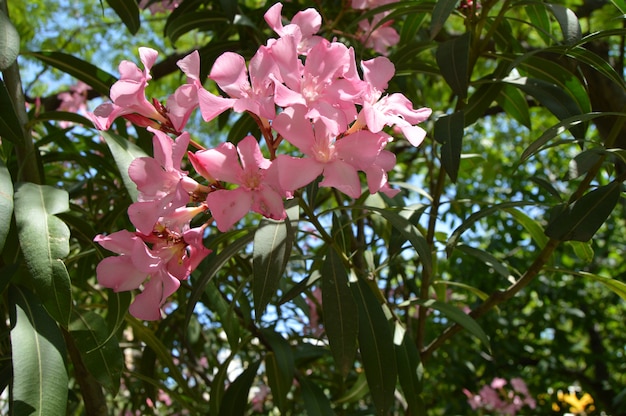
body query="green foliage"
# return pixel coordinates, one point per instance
(502, 256)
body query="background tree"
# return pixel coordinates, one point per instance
(501, 258)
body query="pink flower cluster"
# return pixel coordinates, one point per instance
(495, 398)
(373, 34)
(304, 92)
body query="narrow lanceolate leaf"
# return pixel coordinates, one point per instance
(453, 60)
(9, 42)
(44, 240)
(409, 374)
(235, 400)
(128, 12)
(568, 21)
(620, 4)
(514, 104)
(315, 401)
(99, 351)
(205, 20)
(6, 203)
(38, 351)
(376, 346)
(91, 75)
(279, 366)
(580, 220)
(9, 123)
(487, 258)
(340, 312)
(272, 246)
(530, 225)
(455, 314)
(117, 308)
(124, 152)
(441, 12)
(540, 19)
(449, 132)
(616, 286)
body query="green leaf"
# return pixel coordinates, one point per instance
(455, 314)
(60, 116)
(540, 19)
(279, 366)
(272, 247)
(358, 390)
(583, 250)
(580, 220)
(10, 125)
(44, 240)
(340, 311)
(487, 258)
(128, 11)
(117, 308)
(570, 27)
(203, 20)
(409, 374)
(235, 400)
(9, 42)
(315, 401)
(124, 152)
(91, 75)
(224, 310)
(616, 286)
(99, 351)
(449, 132)
(530, 225)
(453, 60)
(441, 12)
(620, 4)
(38, 352)
(6, 203)
(584, 161)
(514, 103)
(376, 346)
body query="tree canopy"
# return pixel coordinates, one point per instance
(317, 207)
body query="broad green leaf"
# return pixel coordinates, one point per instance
(9, 42)
(340, 311)
(441, 12)
(38, 356)
(44, 240)
(409, 374)
(449, 132)
(99, 351)
(128, 12)
(6, 203)
(9, 123)
(561, 127)
(530, 225)
(580, 220)
(554, 98)
(540, 19)
(235, 400)
(315, 401)
(376, 346)
(453, 60)
(91, 75)
(124, 152)
(204, 20)
(570, 27)
(455, 314)
(272, 247)
(620, 4)
(487, 258)
(514, 103)
(279, 366)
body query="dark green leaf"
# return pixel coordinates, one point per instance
(280, 367)
(128, 12)
(376, 346)
(99, 351)
(357, 391)
(91, 75)
(9, 42)
(441, 12)
(487, 258)
(530, 225)
(315, 401)
(449, 132)
(453, 59)
(455, 314)
(340, 312)
(540, 19)
(584, 161)
(409, 374)
(60, 116)
(117, 308)
(235, 400)
(9, 123)
(620, 4)
(6, 203)
(224, 310)
(580, 220)
(38, 352)
(44, 240)
(568, 21)
(514, 103)
(124, 152)
(204, 20)
(272, 247)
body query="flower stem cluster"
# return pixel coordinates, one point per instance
(304, 92)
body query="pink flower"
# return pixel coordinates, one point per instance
(370, 4)
(128, 94)
(498, 383)
(159, 6)
(304, 25)
(379, 37)
(338, 160)
(185, 99)
(244, 166)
